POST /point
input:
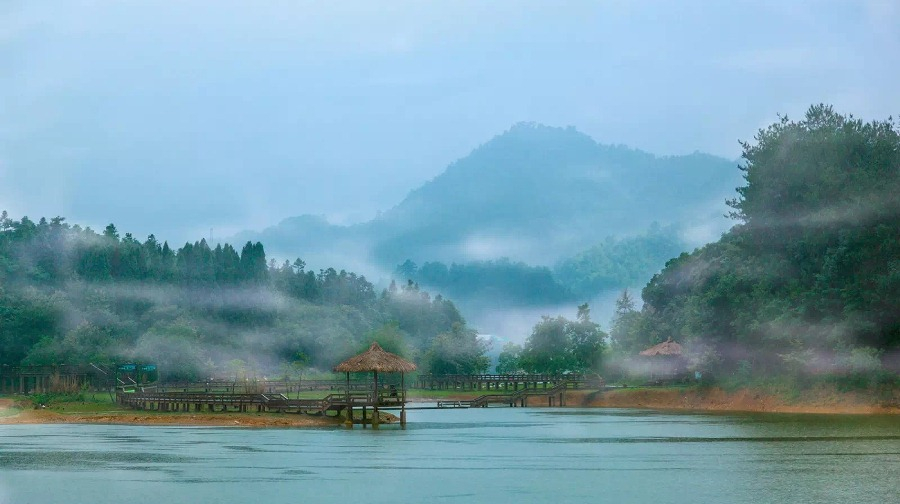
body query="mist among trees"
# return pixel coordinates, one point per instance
(808, 280)
(72, 295)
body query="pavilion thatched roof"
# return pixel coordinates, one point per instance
(667, 347)
(376, 359)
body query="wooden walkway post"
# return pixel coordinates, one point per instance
(375, 418)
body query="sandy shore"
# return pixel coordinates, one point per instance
(822, 401)
(716, 399)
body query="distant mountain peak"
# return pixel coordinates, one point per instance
(534, 131)
(534, 192)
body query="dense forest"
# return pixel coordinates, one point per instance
(617, 263)
(500, 282)
(808, 280)
(610, 265)
(71, 295)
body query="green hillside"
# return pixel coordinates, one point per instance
(71, 295)
(808, 282)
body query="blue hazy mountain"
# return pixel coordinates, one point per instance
(535, 194)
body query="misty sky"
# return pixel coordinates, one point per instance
(177, 117)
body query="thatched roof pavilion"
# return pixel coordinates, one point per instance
(376, 360)
(667, 347)
(665, 360)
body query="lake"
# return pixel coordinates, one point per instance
(493, 455)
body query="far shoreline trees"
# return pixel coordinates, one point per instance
(557, 345)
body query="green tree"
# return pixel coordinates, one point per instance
(586, 342)
(624, 332)
(508, 360)
(458, 351)
(546, 349)
(390, 338)
(558, 345)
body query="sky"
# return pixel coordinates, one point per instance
(191, 117)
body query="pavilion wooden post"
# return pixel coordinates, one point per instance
(402, 400)
(375, 418)
(349, 421)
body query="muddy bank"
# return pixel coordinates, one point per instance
(12, 412)
(821, 401)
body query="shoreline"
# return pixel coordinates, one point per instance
(685, 400)
(715, 399)
(27, 415)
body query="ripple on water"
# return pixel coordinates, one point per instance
(86, 460)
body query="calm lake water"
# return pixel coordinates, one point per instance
(493, 455)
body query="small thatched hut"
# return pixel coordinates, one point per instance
(667, 347)
(377, 360)
(665, 360)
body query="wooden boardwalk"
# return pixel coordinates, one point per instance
(505, 382)
(273, 396)
(556, 396)
(259, 402)
(38, 379)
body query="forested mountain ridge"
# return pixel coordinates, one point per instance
(534, 193)
(808, 281)
(609, 265)
(70, 295)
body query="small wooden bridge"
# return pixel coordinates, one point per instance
(556, 395)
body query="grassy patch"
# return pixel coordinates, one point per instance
(11, 411)
(87, 401)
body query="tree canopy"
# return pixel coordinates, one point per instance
(558, 345)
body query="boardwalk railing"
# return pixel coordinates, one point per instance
(262, 386)
(41, 378)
